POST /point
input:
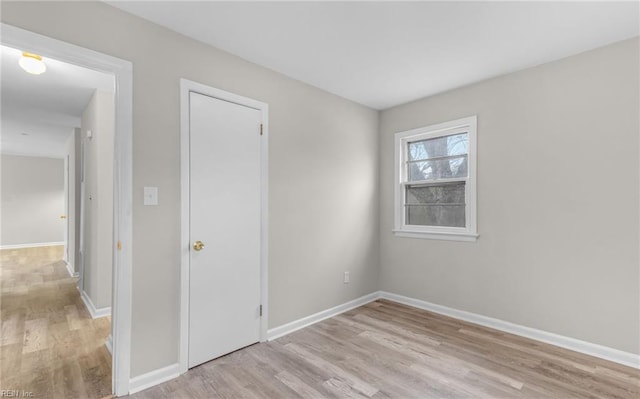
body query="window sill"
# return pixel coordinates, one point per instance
(447, 236)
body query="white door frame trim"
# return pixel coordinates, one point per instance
(65, 254)
(123, 72)
(187, 86)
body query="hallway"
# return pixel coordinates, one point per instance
(49, 345)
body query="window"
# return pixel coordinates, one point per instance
(435, 188)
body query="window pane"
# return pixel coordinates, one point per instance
(436, 205)
(436, 215)
(439, 147)
(438, 169)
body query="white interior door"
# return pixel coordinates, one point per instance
(224, 281)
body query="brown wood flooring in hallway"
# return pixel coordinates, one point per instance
(49, 344)
(387, 350)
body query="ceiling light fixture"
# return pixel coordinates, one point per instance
(32, 63)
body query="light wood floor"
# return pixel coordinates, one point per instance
(49, 345)
(386, 350)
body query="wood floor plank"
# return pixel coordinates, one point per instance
(35, 335)
(375, 364)
(317, 361)
(49, 345)
(297, 385)
(342, 389)
(386, 350)
(9, 331)
(277, 358)
(75, 322)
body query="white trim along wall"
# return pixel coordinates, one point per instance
(588, 348)
(32, 245)
(628, 359)
(155, 377)
(70, 270)
(123, 72)
(299, 324)
(93, 311)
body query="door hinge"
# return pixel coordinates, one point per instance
(260, 310)
(261, 129)
(119, 246)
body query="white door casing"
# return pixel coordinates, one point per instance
(83, 250)
(122, 70)
(65, 255)
(224, 205)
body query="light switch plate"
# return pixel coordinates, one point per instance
(151, 196)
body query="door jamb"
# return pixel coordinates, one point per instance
(65, 255)
(122, 259)
(187, 86)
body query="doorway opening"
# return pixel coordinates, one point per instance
(99, 175)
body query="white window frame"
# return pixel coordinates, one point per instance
(402, 139)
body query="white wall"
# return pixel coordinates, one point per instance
(98, 118)
(323, 151)
(557, 200)
(32, 200)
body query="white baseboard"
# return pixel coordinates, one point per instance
(93, 311)
(295, 325)
(70, 270)
(109, 344)
(32, 245)
(159, 376)
(588, 348)
(155, 377)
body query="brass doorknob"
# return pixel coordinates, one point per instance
(63, 216)
(198, 245)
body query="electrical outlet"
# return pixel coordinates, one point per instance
(150, 196)
(346, 277)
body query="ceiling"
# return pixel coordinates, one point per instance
(382, 54)
(39, 112)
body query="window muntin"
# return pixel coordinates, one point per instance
(435, 204)
(435, 192)
(438, 158)
(428, 161)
